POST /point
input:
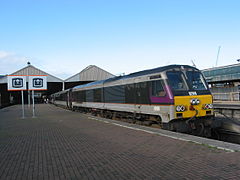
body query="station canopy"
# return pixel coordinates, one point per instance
(90, 73)
(54, 84)
(222, 74)
(31, 70)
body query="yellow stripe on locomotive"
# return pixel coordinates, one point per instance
(193, 106)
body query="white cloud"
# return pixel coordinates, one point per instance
(4, 54)
(11, 62)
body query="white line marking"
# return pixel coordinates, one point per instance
(158, 133)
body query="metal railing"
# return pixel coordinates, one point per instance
(232, 96)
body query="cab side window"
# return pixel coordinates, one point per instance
(157, 89)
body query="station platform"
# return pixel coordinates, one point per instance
(227, 102)
(230, 109)
(61, 144)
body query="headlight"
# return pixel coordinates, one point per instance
(180, 108)
(194, 101)
(207, 106)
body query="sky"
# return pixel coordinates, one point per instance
(62, 37)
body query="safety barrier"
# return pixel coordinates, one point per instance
(232, 96)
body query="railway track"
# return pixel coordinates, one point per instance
(228, 114)
(228, 136)
(229, 130)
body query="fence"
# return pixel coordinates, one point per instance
(231, 96)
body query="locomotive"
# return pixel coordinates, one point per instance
(176, 97)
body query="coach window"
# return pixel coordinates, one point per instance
(157, 89)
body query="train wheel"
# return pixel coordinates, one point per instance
(198, 129)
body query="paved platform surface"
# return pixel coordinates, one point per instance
(61, 144)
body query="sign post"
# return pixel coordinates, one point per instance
(33, 104)
(18, 83)
(37, 83)
(23, 113)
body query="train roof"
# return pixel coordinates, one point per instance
(136, 74)
(90, 84)
(156, 70)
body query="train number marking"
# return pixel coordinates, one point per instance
(193, 93)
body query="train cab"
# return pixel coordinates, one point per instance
(192, 97)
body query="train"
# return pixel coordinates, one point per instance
(176, 97)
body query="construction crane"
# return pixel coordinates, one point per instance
(219, 47)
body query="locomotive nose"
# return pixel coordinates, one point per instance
(202, 104)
